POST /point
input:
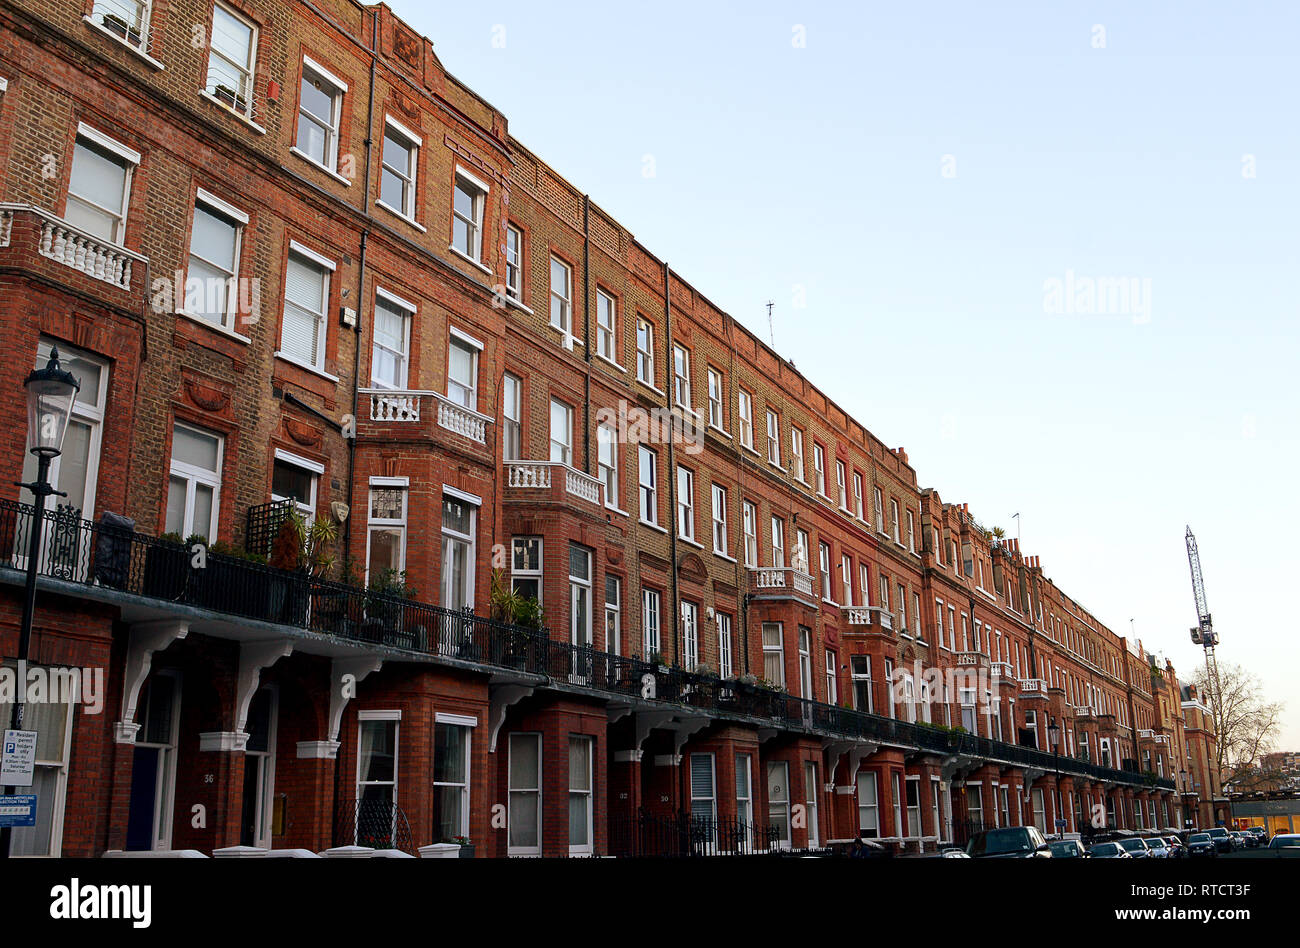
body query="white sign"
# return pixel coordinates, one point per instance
(18, 761)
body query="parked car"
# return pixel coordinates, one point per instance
(1158, 847)
(1067, 849)
(1108, 851)
(1238, 839)
(1290, 841)
(1009, 842)
(952, 852)
(1201, 844)
(1252, 840)
(1222, 839)
(1136, 847)
(1177, 848)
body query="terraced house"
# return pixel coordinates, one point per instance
(304, 273)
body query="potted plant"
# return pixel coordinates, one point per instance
(466, 847)
(656, 657)
(522, 613)
(385, 609)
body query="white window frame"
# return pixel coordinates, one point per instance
(561, 450)
(606, 326)
(467, 724)
(477, 191)
(457, 391)
(745, 409)
(139, 25)
(512, 429)
(561, 301)
(247, 69)
(645, 351)
(647, 480)
(749, 523)
(213, 206)
(326, 268)
(387, 524)
(725, 667)
(406, 310)
(690, 635)
(776, 650)
(686, 503)
(378, 717)
(651, 622)
(607, 461)
(773, 438)
(193, 476)
(534, 792)
(716, 398)
(588, 794)
(450, 536)
(408, 176)
(819, 469)
(305, 507)
(514, 256)
(94, 140)
(796, 453)
(682, 376)
(719, 519)
(324, 79)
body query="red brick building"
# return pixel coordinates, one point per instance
(296, 265)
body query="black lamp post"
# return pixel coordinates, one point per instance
(51, 392)
(1054, 738)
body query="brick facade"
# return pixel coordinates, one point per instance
(889, 572)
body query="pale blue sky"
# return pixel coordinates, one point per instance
(822, 167)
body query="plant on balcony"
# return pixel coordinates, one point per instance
(524, 615)
(656, 657)
(705, 670)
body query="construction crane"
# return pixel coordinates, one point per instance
(1203, 634)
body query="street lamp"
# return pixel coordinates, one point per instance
(1054, 738)
(51, 392)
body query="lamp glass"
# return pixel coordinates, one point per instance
(51, 392)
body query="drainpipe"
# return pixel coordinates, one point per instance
(672, 466)
(361, 279)
(586, 332)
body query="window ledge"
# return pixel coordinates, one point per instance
(205, 94)
(729, 559)
(294, 150)
(284, 357)
(648, 385)
(519, 304)
(722, 431)
(215, 327)
(694, 543)
(751, 450)
(618, 510)
(100, 28)
(468, 259)
(402, 217)
(610, 361)
(653, 526)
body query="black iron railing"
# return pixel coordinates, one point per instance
(379, 824)
(678, 835)
(109, 555)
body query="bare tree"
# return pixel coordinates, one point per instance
(1245, 725)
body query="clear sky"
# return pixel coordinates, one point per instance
(920, 187)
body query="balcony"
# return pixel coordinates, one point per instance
(972, 660)
(1033, 688)
(411, 407)
(858, 616)
(147, 578)
(554, 478)
(1003, 670)
(29, 234)
(773, 582)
